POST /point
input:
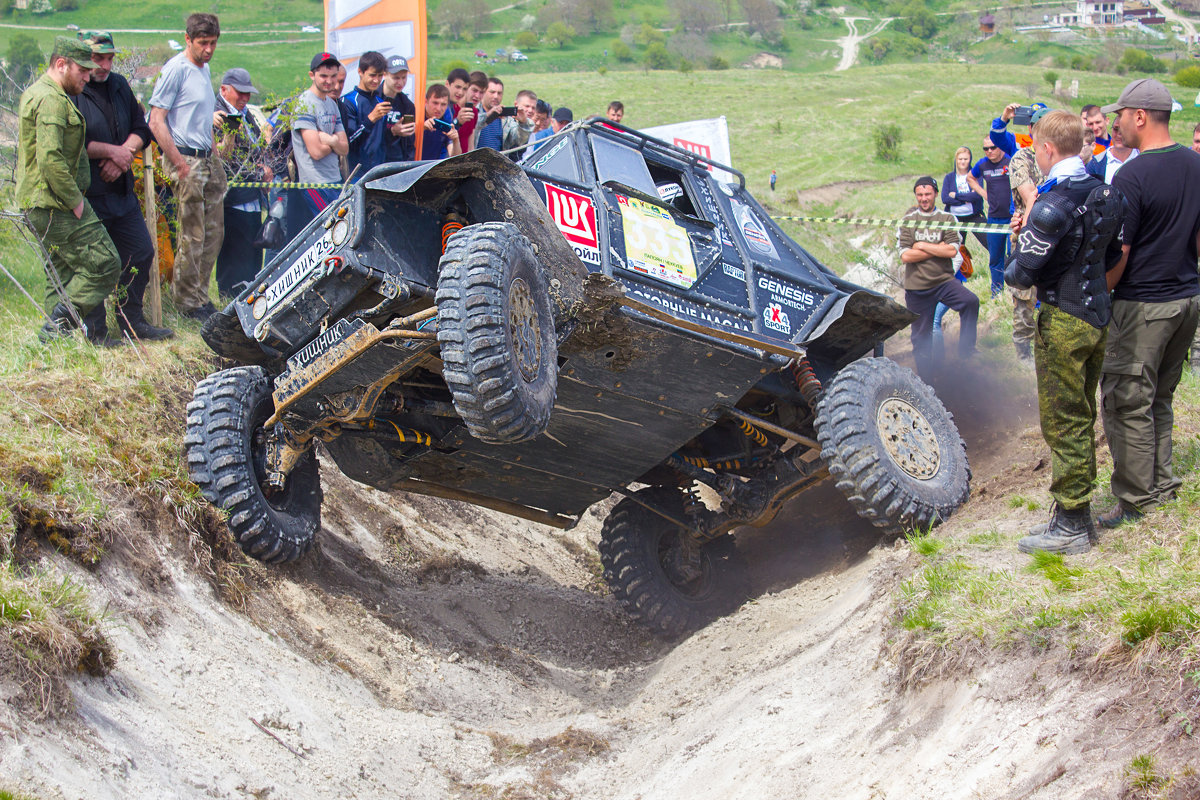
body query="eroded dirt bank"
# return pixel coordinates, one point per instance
(430, 649)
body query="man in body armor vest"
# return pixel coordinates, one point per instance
(1068, 241)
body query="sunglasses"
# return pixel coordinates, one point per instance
(990, 148)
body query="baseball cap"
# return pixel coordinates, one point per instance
(73, 49)
(925, 180)
(563, 114)
(1040, 110)
(1144, 93)
(239, 79)
(101, 42)
(323, 60)
(397, 64)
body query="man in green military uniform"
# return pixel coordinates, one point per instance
(1067, 243)
(52, 175)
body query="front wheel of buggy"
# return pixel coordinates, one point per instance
(496, 333)
(644, 566)
(226, 456)
(892, 447)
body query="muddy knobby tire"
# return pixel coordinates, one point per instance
(496, 331)
(225, 458)
(633, 543)
(892, 447)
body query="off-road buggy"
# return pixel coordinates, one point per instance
(617, 315)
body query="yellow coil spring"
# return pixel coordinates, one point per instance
(753, 432)
(704, 463)
(407, 434)
(448, 230)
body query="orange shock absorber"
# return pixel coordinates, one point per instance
(807, 381)
(451, 227)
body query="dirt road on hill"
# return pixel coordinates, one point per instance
(851, 41)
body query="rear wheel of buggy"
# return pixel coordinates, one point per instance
(496, 331)
(646, 568)
(226, 455)
(892, 446)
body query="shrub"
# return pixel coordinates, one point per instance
(620, 51)
(455, 63)
(1136, 60)
(887, 142)
(716, 62)
(1050, 77)
(1189, 77)
(685, 66)
(657, 57)
(525, 40)
(603, 70)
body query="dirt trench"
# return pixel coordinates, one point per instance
(429, 649)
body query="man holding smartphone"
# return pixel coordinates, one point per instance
(441, 137)
(364, 110)
(492, 133)
(399, 143)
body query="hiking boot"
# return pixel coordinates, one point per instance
(1122, 513)
(202, 313)
(1067, 532)
(141, 329)
(1093, 534)
(95, 328)
(60, 324)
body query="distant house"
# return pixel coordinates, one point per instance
(1144, 13)
(987, 25)
(1090, 13)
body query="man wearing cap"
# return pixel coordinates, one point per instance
(1155, 302)
(561, 118)
(318, 127)
(116, 132)
(52, 175)
(242, 144)
(399, 143)
(927, 255)
(183, 112)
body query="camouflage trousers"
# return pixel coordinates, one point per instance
(200, 200)
(1068, 354)
(82, 254)
(1024, 304)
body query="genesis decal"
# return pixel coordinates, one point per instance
(797, 297)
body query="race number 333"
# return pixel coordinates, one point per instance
(655, 245)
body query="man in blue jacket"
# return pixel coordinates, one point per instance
(364, 110)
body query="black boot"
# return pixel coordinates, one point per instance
(60, 324)
(95, 327)
(139, 328)
(1068, 532)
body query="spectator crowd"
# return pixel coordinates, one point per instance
(1100, 260)
(82, 132)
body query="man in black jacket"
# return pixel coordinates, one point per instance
(116, 132)
(242, 143)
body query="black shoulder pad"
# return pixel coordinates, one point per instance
(1051, 216)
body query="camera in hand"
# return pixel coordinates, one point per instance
(1023, 115)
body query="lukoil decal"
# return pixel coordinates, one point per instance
(576, 218)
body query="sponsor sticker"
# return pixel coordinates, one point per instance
(685, 310)
(312, 258)
(656, 245)
(775, 318)
(753, 231)
(734, 272)
(788, 294)
(576, 219)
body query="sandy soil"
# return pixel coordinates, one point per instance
(430, 649)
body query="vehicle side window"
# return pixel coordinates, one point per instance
(619, 162)
(557, 159)
(671, 187)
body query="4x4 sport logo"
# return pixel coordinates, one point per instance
(576, 218)
(775, 318)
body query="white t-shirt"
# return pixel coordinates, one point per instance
(186, 92)
(961, 186)
(314, 113)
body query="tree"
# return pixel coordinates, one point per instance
(559, 34)
(1189, 77)
(648, 35)
(917, 20)
(762, 17)
(457, 17)
(620, 51)
(690, 47)
(696, 16)
(526, 40)
(1135, 60)
(25, 59)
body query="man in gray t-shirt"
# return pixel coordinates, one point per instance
(182, 115)
(318, 137)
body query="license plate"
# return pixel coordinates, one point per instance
(309, 353)
(313, 258)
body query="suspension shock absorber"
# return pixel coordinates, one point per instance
(452, 225)
(751, 431)
(806, 381)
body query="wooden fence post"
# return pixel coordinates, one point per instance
(154, 286)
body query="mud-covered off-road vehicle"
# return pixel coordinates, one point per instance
(617, 313)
